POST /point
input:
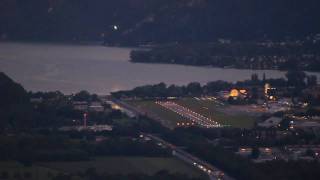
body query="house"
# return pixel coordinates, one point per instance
(36, 100)
(96, 107)
(80, 105)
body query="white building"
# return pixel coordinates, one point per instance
(96, 107)
(80, 105)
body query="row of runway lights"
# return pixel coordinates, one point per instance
(201, 121)
(208, 125)
(185, 124)
(196, 114)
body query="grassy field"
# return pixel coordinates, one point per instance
(14, 170)
(127, 165)
(214, 110)
(208, 108)
(108, 165)
(170, 118)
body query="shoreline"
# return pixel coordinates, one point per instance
(101, 70)
(217, 67)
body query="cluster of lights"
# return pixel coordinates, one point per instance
(115, 107)
(206, 98)
(267, 88)
(189, 114)
(267, 149)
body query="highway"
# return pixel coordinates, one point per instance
(213, 172)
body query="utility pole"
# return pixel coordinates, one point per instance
(85, 116)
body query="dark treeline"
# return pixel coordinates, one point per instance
(162, 90)
(296, 80)
(304, 56)
(54, 109)
(64, 147)
(145, 21)
(92, 174)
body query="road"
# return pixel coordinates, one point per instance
(213, 172)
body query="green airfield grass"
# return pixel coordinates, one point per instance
(171, 118)
(127, 165)
(212, 109)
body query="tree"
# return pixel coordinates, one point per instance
(27, 175)
(4, 175)
(296, 78)
(264, 77)
(310, 153)
(17, 175)
(194, 88)
(285, 123)
(216, 86)
(62, 177)
(254, 93)
(255, 153)
(160, 89)
(311, 80)
(254, 78)
(82, 96)
(91, 173)
(175, 91)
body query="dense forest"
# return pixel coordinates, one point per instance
(250, 55)
(297, 80)
(157, 21)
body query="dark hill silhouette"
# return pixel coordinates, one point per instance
(142, 21)
(15, 109)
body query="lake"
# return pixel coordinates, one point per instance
(101, 70)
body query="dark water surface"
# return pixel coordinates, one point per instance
(98, 69)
